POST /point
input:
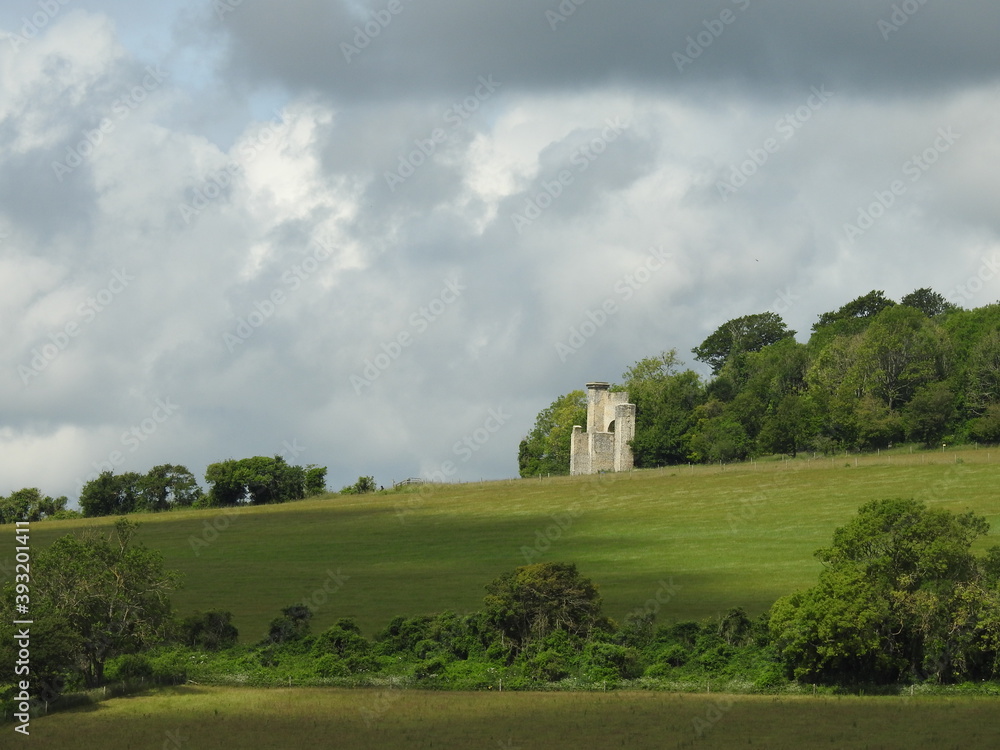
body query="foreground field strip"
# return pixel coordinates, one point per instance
(200, 717)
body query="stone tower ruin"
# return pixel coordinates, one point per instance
(610, 427)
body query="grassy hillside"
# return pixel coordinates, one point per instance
(742, 536)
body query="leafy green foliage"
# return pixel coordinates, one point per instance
(895, 601)
(929, 302)
(162, 488)
(168, 486)
(291, 625)
(665, 399)
(212, 630)
(750, 333)
(535, 600)
(363, 486)
(95, 597)
(258, 480)
(316, 480)
(546, 448)
(29, 504)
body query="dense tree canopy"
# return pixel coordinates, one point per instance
(901, 596)
(535, 600)
(874, 373)
(750, 333)
(29, 504)
(546, 448)
(665, 399)
(95, 597)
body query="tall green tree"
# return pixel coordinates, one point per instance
(535, 600)
(113, 494)
(928, 415)
(929, 302)
(749, 333)
(789, 426)
(665, 398)
(110, 593)
(167, 486)
(901, 596)
(29, 504)
(899, 352)
(717, 436)
(545, 450)
(257, 480)
(850, 319)
(983, 368)
(866, 306)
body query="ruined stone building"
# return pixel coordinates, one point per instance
(610, 427)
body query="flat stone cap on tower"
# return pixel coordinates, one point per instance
(598, 386)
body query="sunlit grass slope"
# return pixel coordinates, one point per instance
(696, 541)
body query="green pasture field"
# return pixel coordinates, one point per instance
(197, 718)
(691, 541)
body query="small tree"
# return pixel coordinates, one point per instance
(110, 592)
(536, 600)
(29, 504)
(363, 486)
(113, 494)
(212, 631)
(291, 625)
(315, 480)
(901, 595)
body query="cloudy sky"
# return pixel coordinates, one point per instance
(381, 235)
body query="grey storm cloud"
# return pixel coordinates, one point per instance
(403, 49)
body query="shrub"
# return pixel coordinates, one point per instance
(212, 631)
(607, 662)
(130, 667)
